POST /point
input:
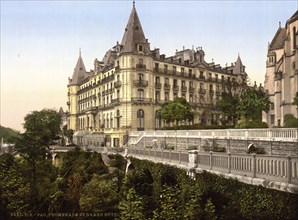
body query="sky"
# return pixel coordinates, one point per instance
(40, 41)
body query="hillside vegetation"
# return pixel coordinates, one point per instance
(8, 135)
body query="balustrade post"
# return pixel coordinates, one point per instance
(254, 167)
(161, 154)
(155, 154)
(192, 159)
(170, 154)
(289, 169)
(211, 160)
(229, 162)
(179, 156)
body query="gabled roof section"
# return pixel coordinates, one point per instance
(293, 18)
(134, 35)
(278, 40)
(79, 72)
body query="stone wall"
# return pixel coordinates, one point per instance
(231, 145)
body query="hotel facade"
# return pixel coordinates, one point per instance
(281, 79)
(125, 90)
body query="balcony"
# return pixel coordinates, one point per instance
(140, 100)
(158, 85)
(183, 88)
(117, 84)
(116, 101)
(211, 91)
(140, 66)
(202, 91)
(202, 77)
(140, 83)
(175, 87)
(117, 69)
(167, 86)
(217, 92)
(191, 89)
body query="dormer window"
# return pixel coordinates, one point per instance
(140, 48)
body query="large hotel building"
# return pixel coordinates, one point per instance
(124, 90)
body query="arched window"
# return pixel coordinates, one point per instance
(140, 119)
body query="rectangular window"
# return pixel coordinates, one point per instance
(182, 71)
(272, 119)
(157, 96)
(156, 67)
(174, 70)
(165, 68)
(166, 96)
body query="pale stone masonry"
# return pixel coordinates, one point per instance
(124, 91)
(281, 80)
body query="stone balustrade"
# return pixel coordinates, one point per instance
(279, 172)
(277, 134)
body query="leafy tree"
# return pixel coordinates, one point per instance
(228, 106)
(99, 196)
(41, 129)
(252, 102)
(132, 206)
(176, 111)
(14, 190)
(210, 210)
(169, 204)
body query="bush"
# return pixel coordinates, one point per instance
(290, 121)
(218, 149)
(192, 147)
(252, 124)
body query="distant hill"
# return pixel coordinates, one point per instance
(8, 135)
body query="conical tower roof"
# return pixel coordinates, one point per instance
(134, 35)
(239, 68)
(79, 72)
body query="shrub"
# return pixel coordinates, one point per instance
(218, 149)
(290, 121)
(192, 147)
(252, 124)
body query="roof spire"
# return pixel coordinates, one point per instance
(80, 52)
(279, 24)
(133, 3)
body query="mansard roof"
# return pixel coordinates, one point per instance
(278, 40)
(79, 72)
(134, 35)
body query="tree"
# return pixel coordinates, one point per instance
(14, 189)
(176, 111)
(228, 106)
(41, 129)
(132, 206)
(252, 102)
(99, 196)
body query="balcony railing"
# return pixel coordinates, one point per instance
(191, 89)
(140, 66)
(116, 101)
(175, 87)
(117, 84)
(140, 83)
(140, 100)
(167, 86)
(158, 85)
(202, 91)
(183, 88)
(211, 91)
(201, 77)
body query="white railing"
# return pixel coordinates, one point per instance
(276, 134)
(273, 168)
